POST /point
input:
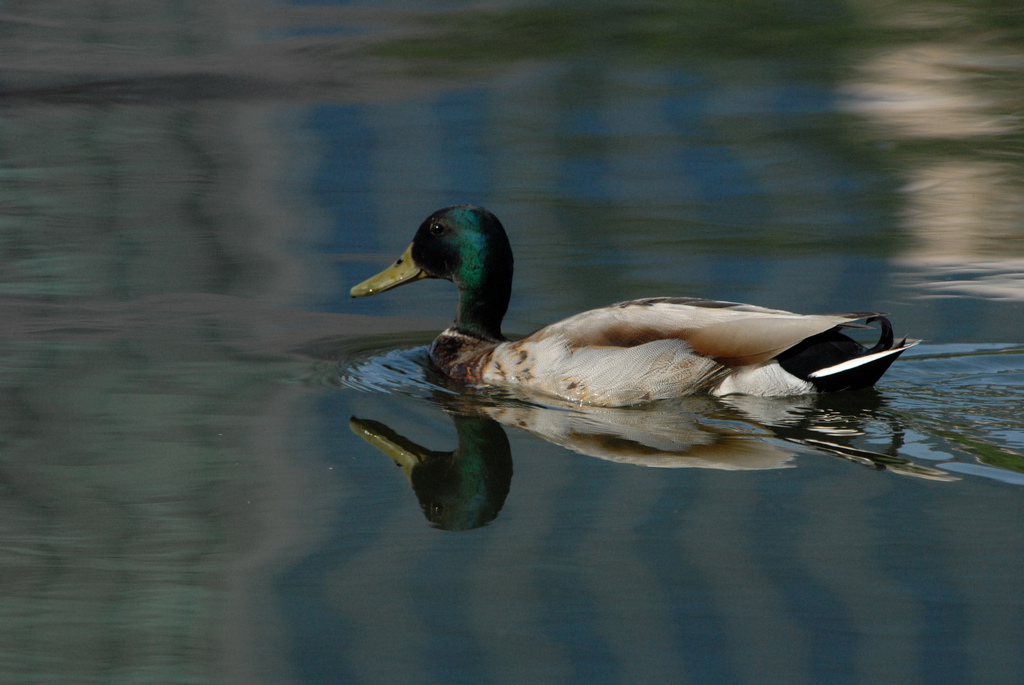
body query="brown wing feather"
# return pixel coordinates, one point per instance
(752, 341)
(729, 333)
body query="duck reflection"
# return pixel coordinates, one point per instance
(681, 433)
(467, 487)
(457, 490)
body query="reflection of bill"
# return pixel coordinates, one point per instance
(466, 488)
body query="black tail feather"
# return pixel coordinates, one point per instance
(832, 348)
(885, 340)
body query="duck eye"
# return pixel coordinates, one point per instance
(436, 229)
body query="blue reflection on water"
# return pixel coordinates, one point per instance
(463, 119)
(342, 180)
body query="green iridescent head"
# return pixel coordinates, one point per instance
(466, 245)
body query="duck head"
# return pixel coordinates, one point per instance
(466, 245)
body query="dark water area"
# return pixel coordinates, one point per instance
(216, 466)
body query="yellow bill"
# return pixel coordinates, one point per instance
(402, 271)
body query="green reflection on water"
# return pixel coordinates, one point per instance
(121, 500)
(644, 32)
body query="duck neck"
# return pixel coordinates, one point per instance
(484, 294)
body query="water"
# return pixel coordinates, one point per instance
(217, 467)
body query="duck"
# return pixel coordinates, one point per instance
(630, 352)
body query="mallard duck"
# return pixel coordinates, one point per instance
(630, 352)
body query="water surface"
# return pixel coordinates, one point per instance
(217, 467)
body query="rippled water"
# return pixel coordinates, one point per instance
(215, 466)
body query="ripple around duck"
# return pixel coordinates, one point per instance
(392, 365)
(965, 401)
